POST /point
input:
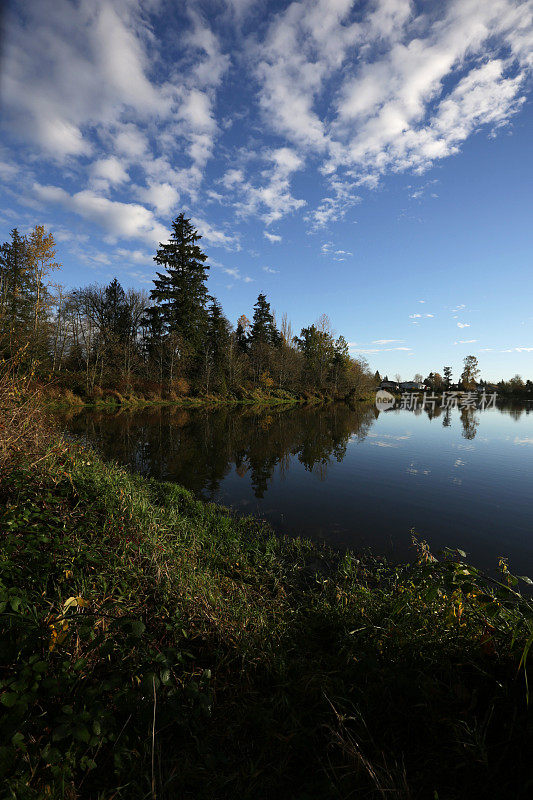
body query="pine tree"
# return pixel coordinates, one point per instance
(116, 315)
(181, 290)
(17, 290)
(241, 333)
(264, 329)
(216, 346)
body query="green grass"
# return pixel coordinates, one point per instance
(152, 645)
(64, 402)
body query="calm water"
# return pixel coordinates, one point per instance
(352, 477)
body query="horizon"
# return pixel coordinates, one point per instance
(371, 162)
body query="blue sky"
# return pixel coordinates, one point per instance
(369, 160)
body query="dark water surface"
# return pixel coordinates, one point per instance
(351, 476)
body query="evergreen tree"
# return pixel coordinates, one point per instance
(264, 329)
(216, 347)
(17, 289)
(377, 377)
(116, 316)
(241, 333)
(340, 362)
(181, 290)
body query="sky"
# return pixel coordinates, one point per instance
(367, 160)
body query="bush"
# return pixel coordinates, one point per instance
(71, 398)
(112, 396)
(182, 387)
(24, 427)
(96, 394)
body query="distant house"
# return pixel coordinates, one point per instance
(412, 386)
(391, 386)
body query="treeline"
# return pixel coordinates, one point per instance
(174, 340)
(469, 380)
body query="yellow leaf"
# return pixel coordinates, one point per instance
(75, 601)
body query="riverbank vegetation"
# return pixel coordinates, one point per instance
(103, 345)
(155, 646)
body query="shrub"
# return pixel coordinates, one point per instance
(71, 398)
(182, 387)
(24, 426)
(112, 396)
(97, 393)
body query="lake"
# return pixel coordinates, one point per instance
(352, 476)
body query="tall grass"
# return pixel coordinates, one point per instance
(25, 427)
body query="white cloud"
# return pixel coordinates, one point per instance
(415, 83)
(130, 141)
(215, 236)
(463, 324)
(270, 270)
(273, 199)
(393, 114)
(137, 256)
(88, 79)
(364, 349)
(336, 254)
(120, 220)
(106, 172)
(161, 196)
(334, 207)
(272, 237)
(233, 272)
(387, 341)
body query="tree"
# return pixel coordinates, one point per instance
(418, 378)
(516, 384)
(216, 344)
(377, 378)
(470, 372)
(242, 332)
(264, 329)
(42, 259)
(264, 339)
(153, 339)
(438, 381)
(447, 376)
(16, 293)
(181, 290)
(340, 363)
(318, 349)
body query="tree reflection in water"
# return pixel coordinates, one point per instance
(199, 447)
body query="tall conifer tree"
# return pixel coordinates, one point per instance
(181, 290)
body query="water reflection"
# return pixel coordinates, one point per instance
(352, 476)
(199, 447)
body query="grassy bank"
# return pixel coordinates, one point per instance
(152, 645)
(59, 398)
